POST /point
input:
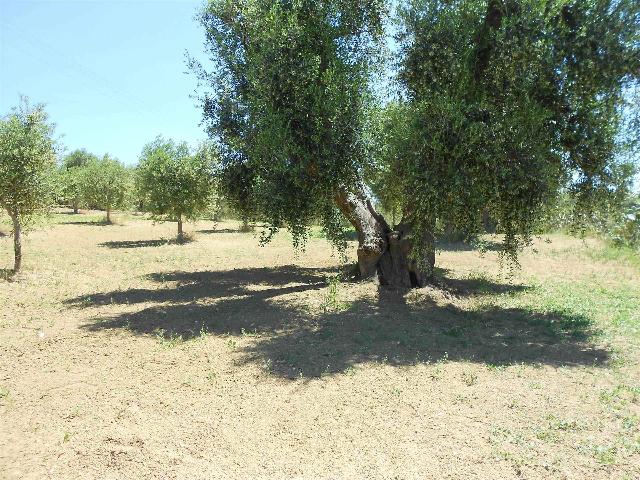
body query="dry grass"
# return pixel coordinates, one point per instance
(126, 356)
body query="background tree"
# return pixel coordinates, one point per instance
(508, 103)
(27, 163)
(174, 183)
(71, 177)
(106, 184)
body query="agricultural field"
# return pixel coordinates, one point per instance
(124, 355)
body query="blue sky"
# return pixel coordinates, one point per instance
(112, 73)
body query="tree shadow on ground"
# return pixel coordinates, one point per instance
(144, 243)
(219, 230)
(7, 274)
(294, 341)
(91, 223)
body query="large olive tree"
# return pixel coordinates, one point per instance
(506, 102)
(27, 164)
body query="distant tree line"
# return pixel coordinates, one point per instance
(172, 182)
(86, 180)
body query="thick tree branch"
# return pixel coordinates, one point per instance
(485, 37)
(372, 229)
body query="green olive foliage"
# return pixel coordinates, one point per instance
(510, 103)
(78, 158)
(71, 177)
(174, 183)
(27, 166)
(27, 161)
(626, 232)
(106, 184)
(289, 89)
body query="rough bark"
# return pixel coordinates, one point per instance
(398, 268)
(246, 226)
(17, 243)
(180, 232)
(383, 250)
(488, 222)
(108, 215)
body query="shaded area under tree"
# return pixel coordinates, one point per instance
(295, 342)
(90, 223)
(219, 230)
(123, 244)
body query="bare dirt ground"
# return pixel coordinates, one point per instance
(126, 356)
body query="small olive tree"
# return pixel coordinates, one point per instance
(72, 176)
(106, 184)
(174, 183)
(27, 164)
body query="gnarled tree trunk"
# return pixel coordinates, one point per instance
(383, 250)
(398, 268)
